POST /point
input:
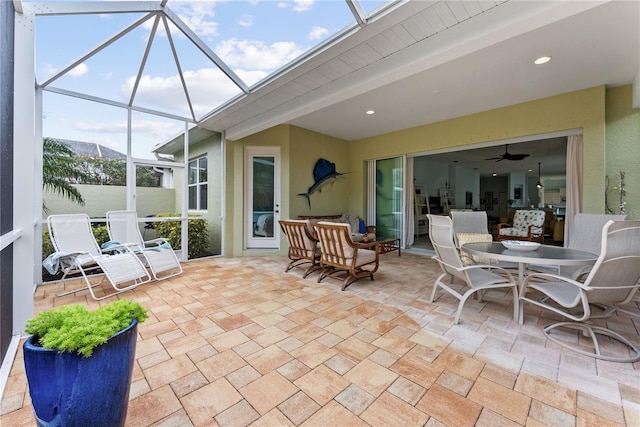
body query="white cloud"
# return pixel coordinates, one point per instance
(158, 129)
(298, 5)
(257, 55)
(303, 5)
(197, 15)
(208, 88)
(317, 33)
(245, 20)
(79, 70)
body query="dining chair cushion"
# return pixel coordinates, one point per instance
(468, 259)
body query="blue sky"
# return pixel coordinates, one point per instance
(254, 38)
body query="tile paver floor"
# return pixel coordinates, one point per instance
(237, 342)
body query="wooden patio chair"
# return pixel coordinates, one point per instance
(339, 254)
(303, 246)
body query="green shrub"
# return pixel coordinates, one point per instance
(198, 234)
(72, 328)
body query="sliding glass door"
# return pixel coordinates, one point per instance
(389, 197)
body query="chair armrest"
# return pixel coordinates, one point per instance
(155, 242)
(371, 229)
(504, 225)
(120, 247)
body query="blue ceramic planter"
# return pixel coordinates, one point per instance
(71, 390)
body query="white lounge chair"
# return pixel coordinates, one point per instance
(613, 280)
(478, 277)
(157, 254)
(76, 251)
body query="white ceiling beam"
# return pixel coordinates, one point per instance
(95, 50)
(92, 7)
(205, 49)
(357, 11)
(116, 103)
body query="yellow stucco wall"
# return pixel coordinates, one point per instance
(590, 111)
(299, 150)
(623, 150)
(576, 110)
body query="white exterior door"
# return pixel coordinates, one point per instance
(262, 197)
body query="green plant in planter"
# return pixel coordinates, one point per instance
(72, 328)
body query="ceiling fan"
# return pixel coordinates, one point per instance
(508, 156)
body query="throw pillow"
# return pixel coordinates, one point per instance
(472, 238)
(363, 227)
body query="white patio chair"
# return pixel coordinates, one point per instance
(76, 251)
(585, 234)
(157, 254)
(613, 280)
(477, 277)
(468, 222)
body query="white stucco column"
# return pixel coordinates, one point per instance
(27, 207)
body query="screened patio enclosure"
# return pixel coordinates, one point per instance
(129, 75)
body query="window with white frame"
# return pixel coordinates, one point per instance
(198, 184)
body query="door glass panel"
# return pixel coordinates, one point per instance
(263, 196)
(389, 196)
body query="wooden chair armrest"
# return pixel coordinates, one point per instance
(368, 245)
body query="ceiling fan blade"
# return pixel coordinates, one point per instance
(518, 156)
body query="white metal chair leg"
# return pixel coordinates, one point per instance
(592, 331)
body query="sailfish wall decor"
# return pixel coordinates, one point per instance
(324, 172)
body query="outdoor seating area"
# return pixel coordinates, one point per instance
(122, 262)
(234, 341)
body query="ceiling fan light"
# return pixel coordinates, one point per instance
(539, 184)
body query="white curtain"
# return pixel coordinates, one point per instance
(574, 183)
(408, 203)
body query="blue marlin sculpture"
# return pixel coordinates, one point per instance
(324, 172)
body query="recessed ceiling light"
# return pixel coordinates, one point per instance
(542, 60)
(370, 112)
(494, 174)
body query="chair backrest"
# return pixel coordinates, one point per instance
(72, 233)
(336, 245)
(586, 231)
(302, 244)
(123, 227)
(523, 218)
(441, 236)
(617, 265)
(468, 222)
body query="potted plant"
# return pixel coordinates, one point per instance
(79, 363)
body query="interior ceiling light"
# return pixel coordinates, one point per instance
(539, 184)
(370, 112)
(542, 60)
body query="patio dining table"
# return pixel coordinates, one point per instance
(543, 255)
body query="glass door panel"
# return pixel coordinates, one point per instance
(262, 196)
(389, 198)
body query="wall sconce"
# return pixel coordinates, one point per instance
(539, 184)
